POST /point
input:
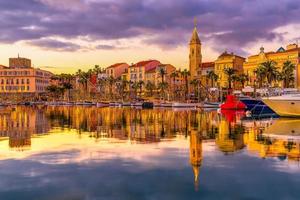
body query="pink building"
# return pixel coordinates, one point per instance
(116, 70)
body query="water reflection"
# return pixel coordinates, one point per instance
(228, 133)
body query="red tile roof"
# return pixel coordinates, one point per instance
(143, 63)
(115, 65)
(208, 65)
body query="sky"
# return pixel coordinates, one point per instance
(67, 35)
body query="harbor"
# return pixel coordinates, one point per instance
(180, 152)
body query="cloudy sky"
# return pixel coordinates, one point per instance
(65, 35)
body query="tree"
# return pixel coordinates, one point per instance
(162, 87)
(230, 72)
(162, 72)
(287, 73)
(270, 70)
(68, 86)
(55, 91)
(173, 76)
(213, 77)
(111, 81)
(140, 84)
(243, 78)
(185, 73)
(135, 86)
(150, 87)
(195, 83)
(260, 75)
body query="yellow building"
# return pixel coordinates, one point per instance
(291, 53)
(227, 60)
(195, 56)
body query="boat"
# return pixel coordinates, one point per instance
(137, 104)
(210, 105)
(165, 105)
(285, 105)
(102, 105)
(184, 105)
(115, 104)
(148, 105)
(233, 103)
(257, 108)
(126, 104)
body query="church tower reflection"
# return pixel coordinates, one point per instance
(196, 155)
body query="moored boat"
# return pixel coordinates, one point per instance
(257, 107)
(184, 105)
(285, 105)
(232, 103)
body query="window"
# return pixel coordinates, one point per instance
(22, 81)
(28, 88)
(28, 81)
(17, 81)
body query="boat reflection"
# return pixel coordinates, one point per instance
(229, 132)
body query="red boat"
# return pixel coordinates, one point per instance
(232, 103)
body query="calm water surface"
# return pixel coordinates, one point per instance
(114, 153)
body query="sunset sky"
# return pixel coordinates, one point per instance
(65, 35)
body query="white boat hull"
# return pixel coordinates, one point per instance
(284, 107)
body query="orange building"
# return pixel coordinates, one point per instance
(18, 78)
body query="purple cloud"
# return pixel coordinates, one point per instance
(51, 44)
(230, 24)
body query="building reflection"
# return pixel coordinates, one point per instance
(230, 135)
(196, 155)
(20, 123)
(266, 144)
(229, 132)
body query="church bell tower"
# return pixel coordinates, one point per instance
(195, 53)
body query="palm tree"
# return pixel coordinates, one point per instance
(260, 75)
(195, 83)
(270, 70)
(123, 86)
(135, 86)
(287, 73)
(162, 72)
(162, 87)
(230, 74)
(212, 76)
(150, 87)
(185, 73)
(68, 86)
(111, 81)
(243, 78)
(140, 84)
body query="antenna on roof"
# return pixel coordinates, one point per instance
(18, 55)
(195, 22)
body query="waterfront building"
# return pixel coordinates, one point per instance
(20, 77)
(195, 56)
(204, 71)
(116, 70)
(137, 72)
(227, 60)
(291, 53)
(154, 75)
